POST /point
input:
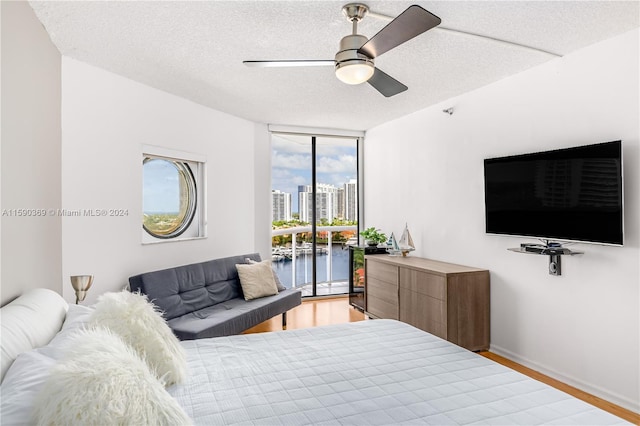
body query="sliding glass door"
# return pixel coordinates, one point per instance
(315, 211)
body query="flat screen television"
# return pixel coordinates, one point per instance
(572, 194)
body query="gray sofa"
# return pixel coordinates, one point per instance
(205, 299)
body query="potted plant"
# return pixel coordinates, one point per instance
(373, 236)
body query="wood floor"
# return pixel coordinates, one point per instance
(337, 310)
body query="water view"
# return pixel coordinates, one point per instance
(339, 267)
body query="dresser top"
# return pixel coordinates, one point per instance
(423, 264)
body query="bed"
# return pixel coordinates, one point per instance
(371, 372)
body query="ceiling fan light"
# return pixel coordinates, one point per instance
(354, 72)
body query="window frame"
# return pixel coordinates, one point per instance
(194, 227)
(184, 170)
(358, 138)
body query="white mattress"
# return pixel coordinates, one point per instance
(371, 372)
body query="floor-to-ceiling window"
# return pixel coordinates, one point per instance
(315, 210)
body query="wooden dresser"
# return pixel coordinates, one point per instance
(445, 299)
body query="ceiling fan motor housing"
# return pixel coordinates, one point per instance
(355, 11)
(349, 56)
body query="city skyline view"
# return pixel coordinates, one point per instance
(336, 163)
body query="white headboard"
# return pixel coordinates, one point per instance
(29, 322)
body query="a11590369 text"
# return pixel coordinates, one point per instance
(65, 212)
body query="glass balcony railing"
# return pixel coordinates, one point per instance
(293, 259)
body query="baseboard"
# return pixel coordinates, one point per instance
(571, 381)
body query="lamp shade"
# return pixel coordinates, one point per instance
(355, 72)
(81, 284)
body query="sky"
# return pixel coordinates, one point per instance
(161, 187)
(291, 163)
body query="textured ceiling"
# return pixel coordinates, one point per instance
(195, 50)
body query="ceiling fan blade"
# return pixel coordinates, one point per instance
(410, 23)
(294, 63)
(386, 84)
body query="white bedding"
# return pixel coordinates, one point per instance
(371, 372)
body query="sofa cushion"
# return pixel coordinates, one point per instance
(233, 316)
(189, 288)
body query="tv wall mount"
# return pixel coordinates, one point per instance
(555, 251)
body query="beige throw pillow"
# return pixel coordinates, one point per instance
(256, 280)
(279, 284)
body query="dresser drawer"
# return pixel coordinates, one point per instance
(382, 271)
(382, 290)
(423, 283)
(424, 312)
(381, 308)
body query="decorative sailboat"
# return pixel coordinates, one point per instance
(406, 242)
(392, 246)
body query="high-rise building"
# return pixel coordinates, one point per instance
(281, 204)
(340, 203)
(351, 200)
(326, 202)
(304, 202)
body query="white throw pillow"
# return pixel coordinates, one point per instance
(279, 284)
(256, 280)
(102, 380)
(137, 321)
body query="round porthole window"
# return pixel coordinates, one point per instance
(169, 197)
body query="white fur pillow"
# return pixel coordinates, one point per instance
(101, 380)
(137, 321)
(256, 280)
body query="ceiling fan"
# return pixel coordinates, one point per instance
(354, 62)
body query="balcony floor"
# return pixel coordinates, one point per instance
(325, 289)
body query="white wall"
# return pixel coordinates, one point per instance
(582, 327)
(262, 170)
(31, 145)
(105, 120)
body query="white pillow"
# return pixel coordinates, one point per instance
(29, 322)
(276, 278)
(77, 317)
(256, 280)
(21, 385)
(101, 380)
(30, 370)
(137, 321)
